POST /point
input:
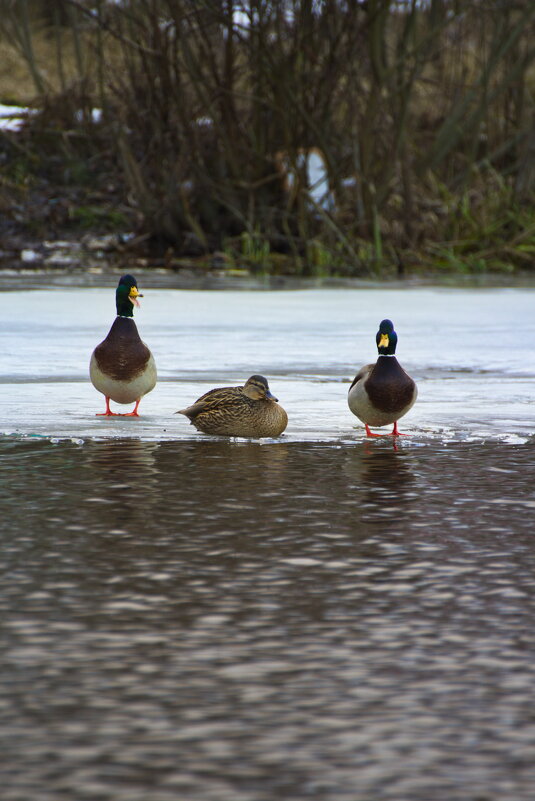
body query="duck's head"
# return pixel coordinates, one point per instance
(256, 387)
(126, 296)
(386, 338)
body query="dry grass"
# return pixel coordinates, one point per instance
(16, 82)
(16, 85)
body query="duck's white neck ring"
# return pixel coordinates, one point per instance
(387, 354)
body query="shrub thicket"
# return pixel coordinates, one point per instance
(350, 136)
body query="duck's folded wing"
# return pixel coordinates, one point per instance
(210, 400)
(362, 373)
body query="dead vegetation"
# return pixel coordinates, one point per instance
(419, 117)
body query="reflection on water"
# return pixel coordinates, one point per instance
(244, 622)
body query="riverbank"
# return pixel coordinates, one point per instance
(198, 278)
(297, 161)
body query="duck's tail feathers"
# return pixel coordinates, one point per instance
(192, 411)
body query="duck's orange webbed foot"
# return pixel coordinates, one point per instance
(370, 433)
(135, 412)
(396, 433)
(108, 412)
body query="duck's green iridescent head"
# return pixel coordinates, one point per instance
(386, 338)
(126, 296)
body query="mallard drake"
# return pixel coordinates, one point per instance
(248, 411)
(122, 367)
(381, 393)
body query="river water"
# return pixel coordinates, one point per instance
(316, 617)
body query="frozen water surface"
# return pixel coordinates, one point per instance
(469, 351)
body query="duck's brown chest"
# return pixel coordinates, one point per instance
(388, 386)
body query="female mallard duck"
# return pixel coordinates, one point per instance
(122, 367)
(248, 411)
(382, 392)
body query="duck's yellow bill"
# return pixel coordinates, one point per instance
(384, 341)
(134, 295)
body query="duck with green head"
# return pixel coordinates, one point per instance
(248, 411)
(383, 392)
(122, 366)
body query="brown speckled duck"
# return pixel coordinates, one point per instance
(382, 392)
(122, 367)
(248, 411)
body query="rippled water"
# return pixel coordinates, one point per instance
(319, 617)
(245, 621)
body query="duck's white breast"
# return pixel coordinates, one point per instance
(123, 391)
